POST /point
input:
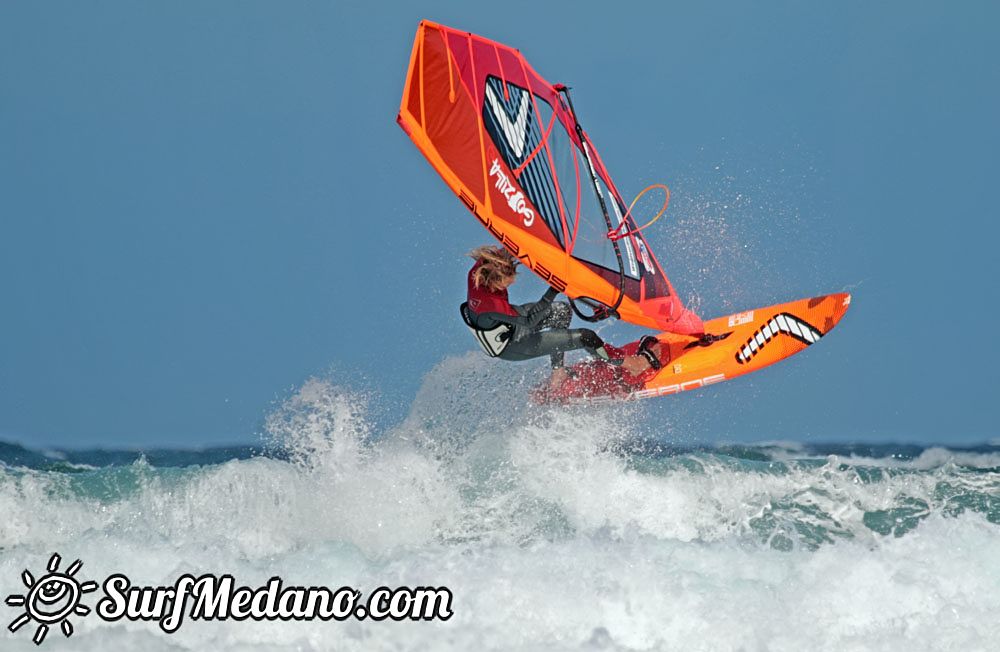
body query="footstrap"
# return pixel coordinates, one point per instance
(644, 350)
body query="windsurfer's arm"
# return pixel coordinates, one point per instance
(535, 313)
(535, 307)
(549, 295)
(529, 315)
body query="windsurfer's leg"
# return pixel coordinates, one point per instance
(560, 315)
(553, 342)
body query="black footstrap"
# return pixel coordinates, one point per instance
(644, 350)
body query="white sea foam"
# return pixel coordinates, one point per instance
(934, 589)
(548, 537)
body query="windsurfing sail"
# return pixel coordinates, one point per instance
(509, 144)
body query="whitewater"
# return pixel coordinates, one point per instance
(579, 528)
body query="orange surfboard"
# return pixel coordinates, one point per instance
(738, 344)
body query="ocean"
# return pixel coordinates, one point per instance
(553, 529)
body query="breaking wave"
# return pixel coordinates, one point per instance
(554, 529)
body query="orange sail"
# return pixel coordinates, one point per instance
(508, 143)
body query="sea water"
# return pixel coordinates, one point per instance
(554, 529)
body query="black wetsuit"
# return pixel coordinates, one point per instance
(542, 328)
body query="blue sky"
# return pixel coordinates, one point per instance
(204, 204)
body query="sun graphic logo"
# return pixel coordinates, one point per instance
(51, 599)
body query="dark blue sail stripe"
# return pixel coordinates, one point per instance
(536, 178)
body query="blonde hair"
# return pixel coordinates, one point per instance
(497, 265)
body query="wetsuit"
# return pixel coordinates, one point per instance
(539, 328)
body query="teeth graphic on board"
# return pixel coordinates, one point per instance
(783, 324)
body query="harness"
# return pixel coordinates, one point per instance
(494, 340)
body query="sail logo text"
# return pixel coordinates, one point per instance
(522, 255)
(515, 198)
(740, 318)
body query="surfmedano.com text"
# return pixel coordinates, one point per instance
(218, 598)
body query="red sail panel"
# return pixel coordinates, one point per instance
(505, 141)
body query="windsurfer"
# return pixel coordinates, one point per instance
(531, 330)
